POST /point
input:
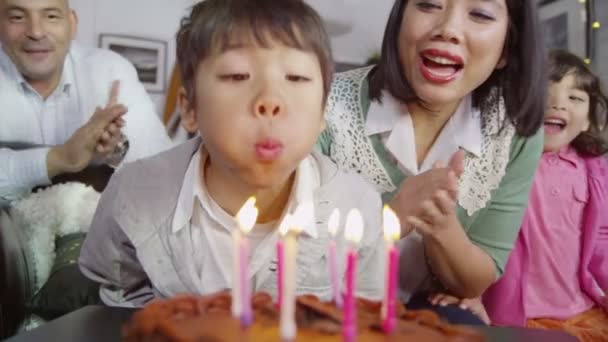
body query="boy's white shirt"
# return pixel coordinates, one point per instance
(132, 251)
(205, 229)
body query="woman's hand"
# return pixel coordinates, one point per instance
(473, 304)
(418, 193)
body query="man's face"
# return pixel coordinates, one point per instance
(36, 35)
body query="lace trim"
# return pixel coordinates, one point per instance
(483, 174)
(351, 147)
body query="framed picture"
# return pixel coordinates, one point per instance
(564, 27)
(148, 56)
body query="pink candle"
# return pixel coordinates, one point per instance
(333, 271)
(247, 314)
(280, 263)
(353, 233)
(389, 321)
(349, 326)
(241, 287)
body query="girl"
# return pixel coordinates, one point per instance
(557, 275)
(453, 75)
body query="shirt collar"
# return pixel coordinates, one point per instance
(464, 126)
(307, 179)
(568, 154)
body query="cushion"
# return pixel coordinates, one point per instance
(66, 289)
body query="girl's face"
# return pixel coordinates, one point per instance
(566, 114)
(448, 48)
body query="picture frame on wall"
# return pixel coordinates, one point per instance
(564, 25)
(148, 56)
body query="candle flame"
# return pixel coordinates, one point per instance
(353, 230)
(247, 215)
(334, 222)
(392, 229)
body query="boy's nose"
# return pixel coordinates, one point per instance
(268, 106)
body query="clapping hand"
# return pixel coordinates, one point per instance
(427, 201)
(95, 139)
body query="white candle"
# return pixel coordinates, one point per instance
(288, 302)
(287, 324)
(332, 227)
(392, 231)
(241, 298)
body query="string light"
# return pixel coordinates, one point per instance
(596, 25)
(582, 1)
(587, 61)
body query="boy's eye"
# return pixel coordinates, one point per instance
(427, 5)
(234, 77)
(15, 17)
(297, 78)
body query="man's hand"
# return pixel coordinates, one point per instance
(112, 136)
(429, 195)
(95, 139)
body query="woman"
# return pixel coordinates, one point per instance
(459, 81)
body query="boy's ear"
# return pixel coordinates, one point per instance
(187, 112)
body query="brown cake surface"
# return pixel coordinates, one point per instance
(208, 319)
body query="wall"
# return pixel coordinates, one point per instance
(601, 59)
(156, 19)
(159, 19)
(365, 38)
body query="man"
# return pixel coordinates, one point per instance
(64, 101)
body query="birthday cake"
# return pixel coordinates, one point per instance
(208, 318)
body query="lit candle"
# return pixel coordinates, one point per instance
(353, 233)
(287, 322)
(241, 289)
(283, 230)
(332, 227)
(391, 234)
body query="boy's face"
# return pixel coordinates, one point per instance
(567, 113)
(259, 111)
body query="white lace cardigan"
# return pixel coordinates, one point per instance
(493, 188)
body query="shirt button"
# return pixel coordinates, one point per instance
(553, 160)
(554, 192)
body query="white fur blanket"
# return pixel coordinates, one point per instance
(42, 216)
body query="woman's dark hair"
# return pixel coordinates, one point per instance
(594, 141)
(213, 25)
(522, 82)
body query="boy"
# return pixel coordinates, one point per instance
(256, 76)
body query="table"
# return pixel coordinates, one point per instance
(103, 324)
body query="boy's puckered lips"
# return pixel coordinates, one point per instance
(268, 149)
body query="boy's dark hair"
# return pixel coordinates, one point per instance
(213, 25)
(522, 82)
(594, 141)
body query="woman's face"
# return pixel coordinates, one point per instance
(448, 48)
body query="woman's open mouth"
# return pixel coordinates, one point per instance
(439, 66)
